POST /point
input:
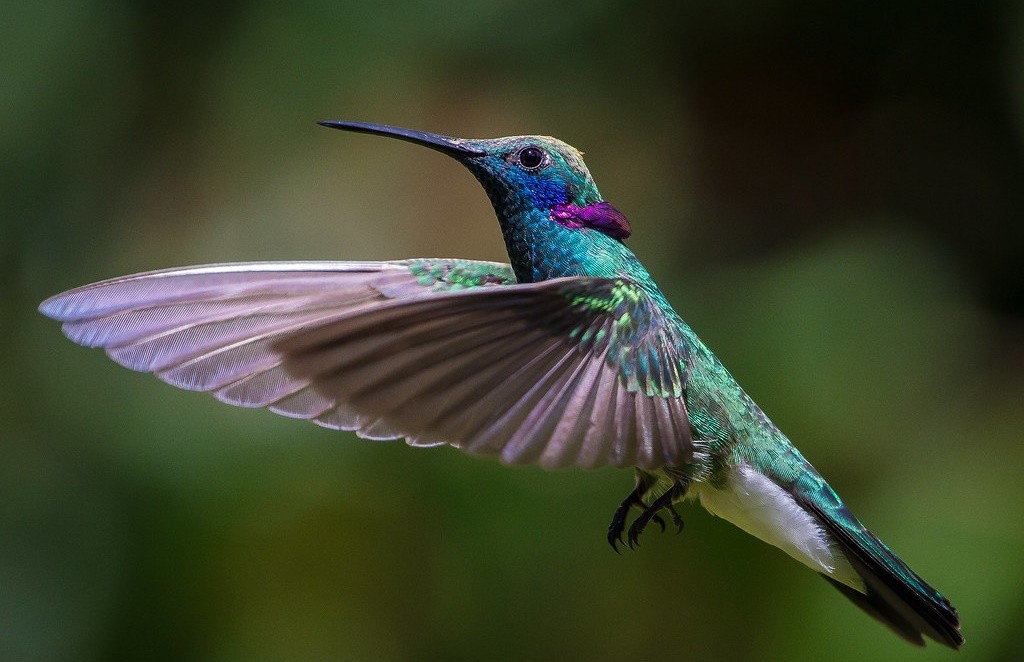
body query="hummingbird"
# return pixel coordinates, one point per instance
(567, 356)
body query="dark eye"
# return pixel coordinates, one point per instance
(531, 158)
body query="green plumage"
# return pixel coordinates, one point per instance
(446, 275)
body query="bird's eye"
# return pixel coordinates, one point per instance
(531, 158)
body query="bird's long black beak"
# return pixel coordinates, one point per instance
(450, 146)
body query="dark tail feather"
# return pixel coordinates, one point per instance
(896, 595)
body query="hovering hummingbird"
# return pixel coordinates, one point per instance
(568, 356)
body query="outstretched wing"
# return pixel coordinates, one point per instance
(574, 371)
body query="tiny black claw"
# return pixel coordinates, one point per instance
(618, 523)
(634, 534)
(639, 524)
(676, 520)
(615, 539)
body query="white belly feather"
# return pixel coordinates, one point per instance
(763, 509)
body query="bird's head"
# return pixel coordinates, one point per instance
(522, 174)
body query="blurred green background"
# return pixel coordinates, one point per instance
(830, 192)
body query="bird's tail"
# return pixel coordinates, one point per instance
(894, 594)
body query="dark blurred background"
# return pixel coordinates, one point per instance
(830, 192)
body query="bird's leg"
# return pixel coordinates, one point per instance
(635, 499)
(663, 502)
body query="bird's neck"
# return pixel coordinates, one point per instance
(540, 248)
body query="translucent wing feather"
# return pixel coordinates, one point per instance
(565, 372)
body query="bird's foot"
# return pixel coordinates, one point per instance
(650, 513)
(647, 515)
(618, 524)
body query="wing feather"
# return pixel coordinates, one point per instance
(527, 443)
(341, 417)
(593, 445)
(575, 419)
(517, 384)
(570, 372)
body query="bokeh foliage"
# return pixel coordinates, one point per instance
(830, 193)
